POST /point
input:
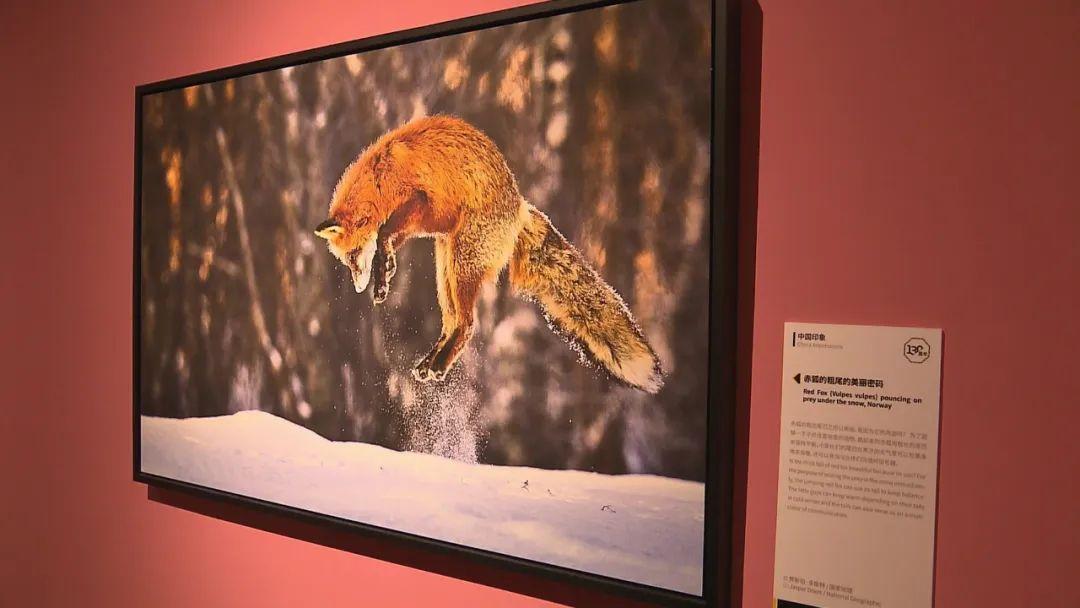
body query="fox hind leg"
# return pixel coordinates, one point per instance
(466, 293)
(443, 279)
(466, 265)
(462, 288)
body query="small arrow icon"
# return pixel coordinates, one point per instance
(798, 378)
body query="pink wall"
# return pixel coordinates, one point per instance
(918, 165)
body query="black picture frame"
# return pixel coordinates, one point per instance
(720, 458)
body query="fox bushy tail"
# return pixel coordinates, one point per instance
(580, 305)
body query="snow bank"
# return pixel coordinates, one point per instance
(640, 528)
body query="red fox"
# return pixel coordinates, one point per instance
(441, 177)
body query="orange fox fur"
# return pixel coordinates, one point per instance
(440, 177)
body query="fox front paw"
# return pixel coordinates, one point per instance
(385, 267)
(423, 373)
(379, 293)
(390, 265)
(427, 370)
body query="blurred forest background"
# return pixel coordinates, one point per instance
(602, 115)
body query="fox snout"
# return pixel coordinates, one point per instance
(357, 259)
(360, 265)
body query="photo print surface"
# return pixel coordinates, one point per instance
(457, 288)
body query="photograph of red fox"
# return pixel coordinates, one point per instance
(442, 178)
(457, 288)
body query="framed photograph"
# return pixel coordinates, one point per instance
(468, 286)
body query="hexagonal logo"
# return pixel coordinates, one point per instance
(916, 350)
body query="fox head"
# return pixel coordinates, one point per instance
(367, 193)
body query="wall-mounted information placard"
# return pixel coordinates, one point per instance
(858, 467)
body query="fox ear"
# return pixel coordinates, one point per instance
(329, 229)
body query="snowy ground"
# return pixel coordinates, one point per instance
(640, 528)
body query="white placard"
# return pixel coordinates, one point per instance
(858, 467)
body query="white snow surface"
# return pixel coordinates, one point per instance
(641, 528)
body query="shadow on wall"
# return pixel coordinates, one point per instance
(430, 559)
(750, 27)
